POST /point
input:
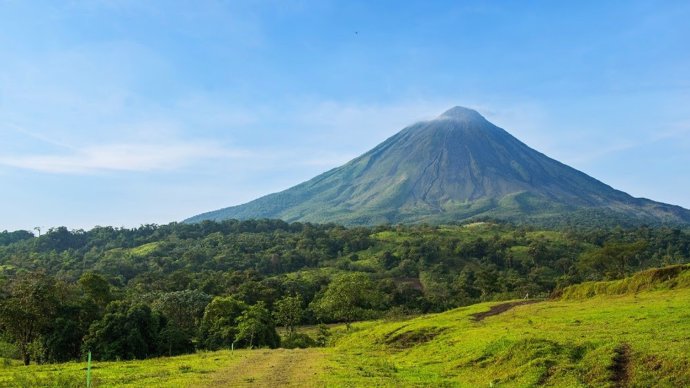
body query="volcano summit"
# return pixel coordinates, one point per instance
(456, 167)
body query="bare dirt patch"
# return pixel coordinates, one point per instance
(408, 339)
(272, 368)
(620, 369)
(500, 308)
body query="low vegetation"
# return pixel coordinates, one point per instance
(637, 338)
(167, 290)
(279, 367)
(668, 278)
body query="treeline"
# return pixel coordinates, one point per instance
(49, 320)
(163, 290)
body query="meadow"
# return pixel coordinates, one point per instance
(631, 340)
(628, 333)
(260, 367)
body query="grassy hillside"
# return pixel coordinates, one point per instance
(627, 338)
(637, 335)
(667, 278)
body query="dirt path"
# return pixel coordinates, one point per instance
(621, 366)
(272, 368)
(500, 308)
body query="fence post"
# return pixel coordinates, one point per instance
(88, 371)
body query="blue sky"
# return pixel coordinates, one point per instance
(132, 112)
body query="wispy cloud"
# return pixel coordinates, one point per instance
(597, 153)
(37, 136)
(678, 130)
(123, 157)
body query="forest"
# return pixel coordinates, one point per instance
(172, 289)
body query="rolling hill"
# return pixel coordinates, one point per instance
(456, 167)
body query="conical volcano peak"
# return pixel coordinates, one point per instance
(453, 168)
(460, 113)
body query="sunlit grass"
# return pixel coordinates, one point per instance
(565, 343)
(634, 332)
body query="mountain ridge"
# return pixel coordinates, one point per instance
(455, 167)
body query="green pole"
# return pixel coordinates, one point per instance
(88, 372)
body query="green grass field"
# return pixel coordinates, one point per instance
(260, 368)
(631, 333)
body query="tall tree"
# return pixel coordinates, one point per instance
(255, 327)
(218, 326)
(288, 313)
(27, 310)
(349, 297)
(96, 288)
(184, 311)
(126, 331)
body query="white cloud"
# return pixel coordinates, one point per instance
(123, 157)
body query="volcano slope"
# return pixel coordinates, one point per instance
(456, 167)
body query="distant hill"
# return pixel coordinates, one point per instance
(456, 167)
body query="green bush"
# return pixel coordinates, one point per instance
(8, 350)
(297, 340)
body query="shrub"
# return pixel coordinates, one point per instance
(298, 340)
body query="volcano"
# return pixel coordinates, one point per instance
(454, 168)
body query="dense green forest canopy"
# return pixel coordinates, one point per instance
(170, 289)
